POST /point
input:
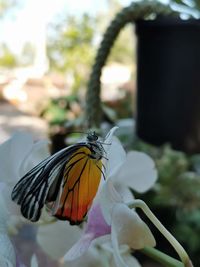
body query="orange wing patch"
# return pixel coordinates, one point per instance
(81, 180)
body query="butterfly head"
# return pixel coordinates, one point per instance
(92, 137)
(95, 146)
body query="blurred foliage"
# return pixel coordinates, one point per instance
(65, 116)
(70, 48)
(62, 111)
(5, 5)
(177, 191)
(72, 44)
(7, 58)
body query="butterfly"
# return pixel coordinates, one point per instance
(65, 182)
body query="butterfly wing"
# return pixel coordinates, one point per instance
(81, 180)
(33, 188)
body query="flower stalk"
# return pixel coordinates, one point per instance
(176, 245)
(161, 257)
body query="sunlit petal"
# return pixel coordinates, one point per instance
(130, 229)
(127, 228)
(137, 172)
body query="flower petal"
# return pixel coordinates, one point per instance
(11, 207)
(137, 172)
(79, 248)
(119, 262)
(96, 227)
(116, 157)
(56, 238)
(109, 136)
(128, 259)
(96, 224)
(92, 258)
(129, 228)
(16, 150)
(3, 210)
(34, 262)
(7, 252)
(38, 152)
(19, 263)
(124, 192)
(5, 262)
(108, 197)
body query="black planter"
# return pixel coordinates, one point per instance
(168, 82)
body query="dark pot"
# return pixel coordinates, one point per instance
(168, 82)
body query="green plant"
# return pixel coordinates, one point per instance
(176, 196)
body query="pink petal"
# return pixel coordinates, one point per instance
(96, 224)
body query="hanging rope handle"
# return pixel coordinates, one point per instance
(133, 12)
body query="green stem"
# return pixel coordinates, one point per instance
(176, 245)
(161, 257)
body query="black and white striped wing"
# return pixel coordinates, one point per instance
(32, 189)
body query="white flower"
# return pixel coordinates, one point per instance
(121, 224)
(17, 156)
(56, 234)
(7, 252)
(20, 154)
(134, 170)
(137, 171)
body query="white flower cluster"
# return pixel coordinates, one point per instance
(112, 230)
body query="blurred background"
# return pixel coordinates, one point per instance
(46, 55)
(47, 49)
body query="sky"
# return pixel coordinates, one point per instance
(24, 24)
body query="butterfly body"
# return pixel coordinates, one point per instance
(65, 182)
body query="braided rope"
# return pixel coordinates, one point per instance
(128, 14)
